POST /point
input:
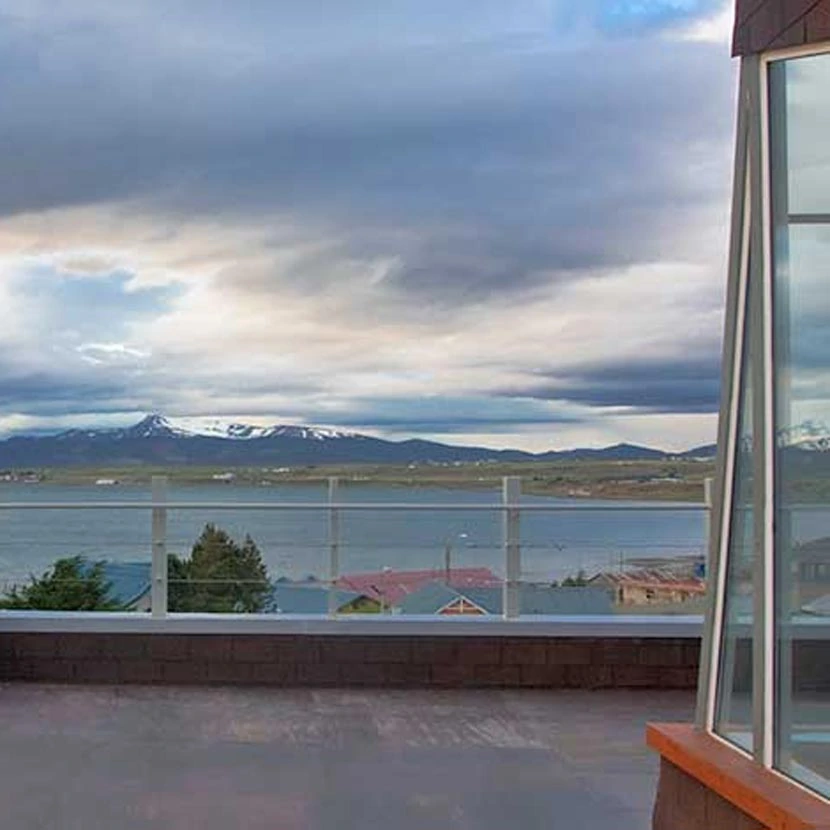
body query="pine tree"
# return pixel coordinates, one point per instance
(72, 584)
(220, 576)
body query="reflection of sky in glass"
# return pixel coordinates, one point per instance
(733, 718)
(808, 300)
(803, 254)
(801, 369)
(808, 117)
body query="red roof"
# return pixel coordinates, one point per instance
(390, 587)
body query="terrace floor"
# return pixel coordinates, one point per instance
(173, 758)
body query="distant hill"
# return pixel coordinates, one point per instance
(617, 452)
(706, 451)
(163, 441)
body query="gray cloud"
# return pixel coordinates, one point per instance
(482, 150)
(689, 385)
(448, 414)
(58, 392)
(506, 142)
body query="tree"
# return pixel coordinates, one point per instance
(220, 576)
(71, 584)
(578, 581)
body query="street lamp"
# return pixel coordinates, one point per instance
(448, 555)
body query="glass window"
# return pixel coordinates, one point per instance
(800, 191)
(733, 713)
(802, 100)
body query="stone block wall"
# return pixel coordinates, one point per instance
(346, 660)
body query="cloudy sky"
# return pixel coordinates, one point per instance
(471, 220)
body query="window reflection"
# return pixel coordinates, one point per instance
(733, 713)
(800, 184)
(808, 127)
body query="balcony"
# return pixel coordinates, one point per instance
(133, 756)
(343, 556)
(492, 714)
(486, 620)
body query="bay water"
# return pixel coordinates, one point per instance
(294, 543)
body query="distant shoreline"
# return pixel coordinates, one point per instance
(664, 480)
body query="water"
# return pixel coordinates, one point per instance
(294, 543)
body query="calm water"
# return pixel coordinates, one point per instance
(294, 543)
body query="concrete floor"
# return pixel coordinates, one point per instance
(84, 758)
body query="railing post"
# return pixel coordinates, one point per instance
(334, 547)
(709, 558)
(158, 589)
(511, 491)
(707, 527)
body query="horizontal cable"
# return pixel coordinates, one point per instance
(651, 507)
(437, 547)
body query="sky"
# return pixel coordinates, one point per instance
(473, 221)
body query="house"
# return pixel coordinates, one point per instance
(129, 588)
(813, 560)
(390, 587)
(288, 597)
(440, 598)
(647, 587)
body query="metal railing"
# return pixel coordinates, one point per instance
(510, 507)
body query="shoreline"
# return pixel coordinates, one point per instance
(665, 480)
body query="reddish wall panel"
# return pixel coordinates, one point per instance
(762, 25)
(319, 660)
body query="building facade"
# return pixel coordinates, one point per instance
(759, 754)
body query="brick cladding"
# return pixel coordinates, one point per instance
(762, 25)
(342, 660)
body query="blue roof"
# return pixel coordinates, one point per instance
(533, 599)
(129, 581)
(543, 599)
(304, 598)
(429, 599)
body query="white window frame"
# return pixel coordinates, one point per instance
(751, 239)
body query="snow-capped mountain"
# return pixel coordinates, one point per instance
(160, 425)
(159, 440)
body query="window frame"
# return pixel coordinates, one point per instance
(751, 241)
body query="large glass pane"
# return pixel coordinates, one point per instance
(733, 712)
(800, 154)
(805, 105)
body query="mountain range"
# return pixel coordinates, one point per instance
(159, 440)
